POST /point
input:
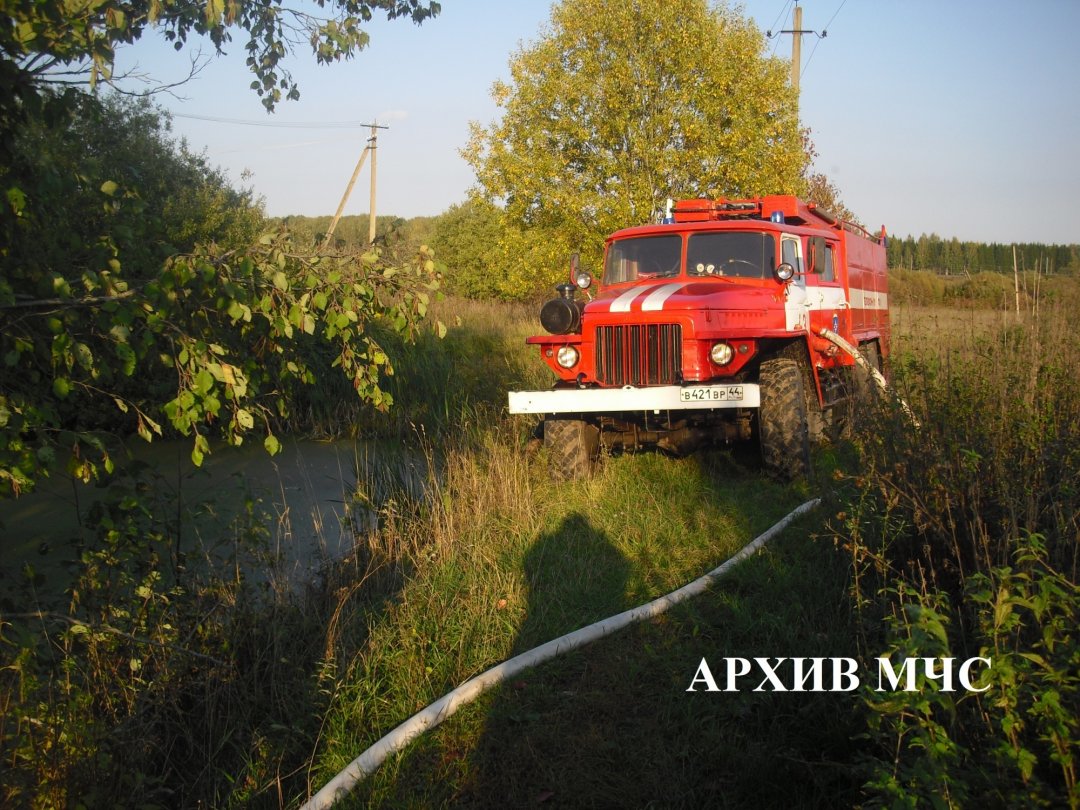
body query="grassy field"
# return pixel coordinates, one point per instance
(954, 538)
(614, 725)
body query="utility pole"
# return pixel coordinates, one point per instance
(352, 182)
(796, 47)
(371, 208)
(796, 32)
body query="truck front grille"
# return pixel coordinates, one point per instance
(649, 354)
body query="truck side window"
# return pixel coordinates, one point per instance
(827, 272)
(791, 253)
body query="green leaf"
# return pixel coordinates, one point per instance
(16, 199)
(203, 382)
(126, 355)
(245, 419)
(109, 188)
(272, 445)
(84, 356)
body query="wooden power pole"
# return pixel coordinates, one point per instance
(796, 32)
(369, 148)
(796, 47)
(371, 208)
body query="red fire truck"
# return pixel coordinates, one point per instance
(720, 324)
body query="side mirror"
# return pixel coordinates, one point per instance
(580, 278)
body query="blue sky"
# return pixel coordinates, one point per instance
(954, 117)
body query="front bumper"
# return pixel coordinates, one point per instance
(629, 399)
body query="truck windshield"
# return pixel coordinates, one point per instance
(643, 257)
(746, 255)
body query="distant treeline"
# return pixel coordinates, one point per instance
(953, 257)
(351, 232)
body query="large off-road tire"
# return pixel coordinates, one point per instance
(782, 424)
(817, 420)
(573, 446)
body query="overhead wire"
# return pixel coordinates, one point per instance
(282, 124)
(776, 22)
(833, 17)
(272, 147)
(824, 31)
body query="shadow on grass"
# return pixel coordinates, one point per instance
(613, 725)
(574, 576)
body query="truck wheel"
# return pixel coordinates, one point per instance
(573, 445)
(782, 424)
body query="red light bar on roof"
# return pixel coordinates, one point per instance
(794, 210)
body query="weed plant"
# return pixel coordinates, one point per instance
(963, 530)
(149, 686)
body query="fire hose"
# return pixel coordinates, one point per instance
(864, 364)
(365, 764)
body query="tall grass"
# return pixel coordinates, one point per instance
(964, 537)
(140, 688)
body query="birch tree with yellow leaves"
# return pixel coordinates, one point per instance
(619, 105)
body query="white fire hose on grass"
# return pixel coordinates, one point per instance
(365, 764)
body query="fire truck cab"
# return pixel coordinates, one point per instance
(716, 325)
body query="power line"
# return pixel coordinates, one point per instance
(282, 124)
(833, 17)
(824, 32)
(247, 149)
(768, 33)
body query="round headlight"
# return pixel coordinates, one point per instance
(583, 279)
(785, 271)
(721, 353)
(567, 356)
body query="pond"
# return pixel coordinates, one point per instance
(306, 497)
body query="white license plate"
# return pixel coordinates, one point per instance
(712, 393)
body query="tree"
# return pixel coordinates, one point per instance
(821, 190)
(621, 105)
(465, 238)
(131, 278)
(137, 295)
(51, 41)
